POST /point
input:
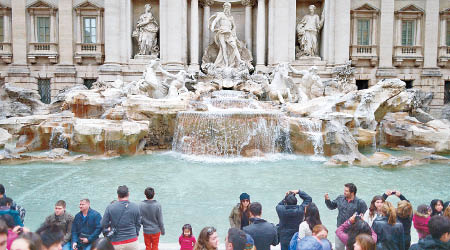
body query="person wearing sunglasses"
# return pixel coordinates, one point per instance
(207, 239)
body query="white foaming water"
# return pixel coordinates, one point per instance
(236, 159)
(232, 127)
(314, 131)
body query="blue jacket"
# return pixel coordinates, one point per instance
(14, 214)
(291, 216)
(89, 227)
(263, 233)
(389, 237)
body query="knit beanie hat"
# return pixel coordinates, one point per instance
(244, 196)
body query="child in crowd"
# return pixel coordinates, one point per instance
(420, 220)
(186, 240)
(437, 207)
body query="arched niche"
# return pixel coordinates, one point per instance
(137, 9)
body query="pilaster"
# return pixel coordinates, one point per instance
(386, 33)
(282, 17)
(173, 33)
(20, 32)
(431, 33)
(261, 36)
(194, 36)
(65, 32)
(342, 37)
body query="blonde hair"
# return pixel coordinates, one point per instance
(389, 210)
(447, 212)
(319, 228)
(366, 242)
(404, 209)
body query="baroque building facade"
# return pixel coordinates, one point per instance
(49, 45)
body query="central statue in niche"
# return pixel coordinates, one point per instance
(226, 59)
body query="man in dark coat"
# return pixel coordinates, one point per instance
(347, 204)
(439, 238)
(291, 215)
(263, 233)
(86, 226)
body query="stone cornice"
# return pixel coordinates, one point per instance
(248, 2)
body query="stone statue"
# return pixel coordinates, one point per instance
(146, 33)
(178, 84)
(226, 51)
(222, 24)
(310, 86)
(150, 85)
(307, 32)
(281, 85)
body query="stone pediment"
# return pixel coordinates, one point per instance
(366, 8)
(41, 4)
(446, 11)
(411, 9)
(88, 5)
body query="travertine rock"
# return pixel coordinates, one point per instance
(4, 137)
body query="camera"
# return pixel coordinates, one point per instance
(393, 192)
(109, 232)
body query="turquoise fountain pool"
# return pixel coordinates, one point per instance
(202, 191)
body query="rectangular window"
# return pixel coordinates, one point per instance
(2, 36)
(448, 32)
(90, 29)
(89, 82)
(447, 92)
(363, 31)
(409, 83)
(408, 30)
(362, 84)
(43, 29)
(44, 90)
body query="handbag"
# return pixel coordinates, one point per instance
(112, 229)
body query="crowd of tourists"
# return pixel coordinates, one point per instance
(379, 226)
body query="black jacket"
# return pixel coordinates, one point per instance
(346, 209)
(291, 216)
(430, 243)
(389, 237)
(263, 233)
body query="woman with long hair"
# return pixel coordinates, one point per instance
(351, 228)
(374, 209)
(239, 216)
(437, 207)
(404, 216)
(388, 230)
(312, 218)
(207, 239)
(364, 242)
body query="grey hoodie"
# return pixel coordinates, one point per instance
(151, 217)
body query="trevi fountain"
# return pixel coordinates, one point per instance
(202, 138)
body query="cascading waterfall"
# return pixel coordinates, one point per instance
(233, 126)
(314, 131)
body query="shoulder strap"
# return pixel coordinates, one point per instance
(120, 217)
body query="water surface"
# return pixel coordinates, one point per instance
(202, 191)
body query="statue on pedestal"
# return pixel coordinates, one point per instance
(226, 53)
(146, 33)
(307, 32)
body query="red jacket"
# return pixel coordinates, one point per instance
(421, 225)
(187, 243)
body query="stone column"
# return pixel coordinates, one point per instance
(282, 17)
(206, 14)
(443, 29)
(386, 33)
(112, 31)
(53, 25)
(419, 32)
(7, 30)
(65, 32)
(398, 31)
(261, 36)
(342, 24)
(173, 32)
(111, 70)
(248, 22)
(33, 37)
(374, 30)
(431, 34)
(125, 30)
(80, 27)
(20, 32)
(194, 35)
(330, 30)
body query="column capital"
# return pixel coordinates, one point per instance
(248, 3)
(207, 2)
